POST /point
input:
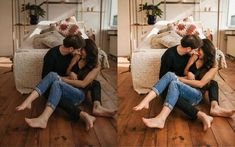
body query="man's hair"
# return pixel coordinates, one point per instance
(192, 41)
(75, 41)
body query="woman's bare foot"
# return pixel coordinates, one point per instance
(36, 122)
(142, 104)
(23, 106)
(99, 110)
(88, 119)
(206, 120)
(154, 122)
(219, 111)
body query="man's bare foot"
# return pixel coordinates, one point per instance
(23, 106)
(88, 119)
(154, 122)
(219, 111)
(142, 104)
(99, 110)
(206, 120)
(36, 122)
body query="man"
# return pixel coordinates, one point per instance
(175, 60)
(57, 60)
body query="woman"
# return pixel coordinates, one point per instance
(60, 89)
(93, 86)
(211, 89)
(179, 87)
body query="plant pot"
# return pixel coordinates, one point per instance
(151, 19)
(34, 19)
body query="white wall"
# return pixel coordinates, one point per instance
(61, 11)
(123, 28)
(6, 47)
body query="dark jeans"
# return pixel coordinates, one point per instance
(70, 108)
(213, 91)
(190, 110)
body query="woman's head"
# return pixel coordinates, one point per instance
(90, 53)
(207, 53)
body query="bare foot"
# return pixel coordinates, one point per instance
(154, 122)
(206, 120)
(23, 106)
(36, 122)
(98, 110)
(142, 104)
(88, 119)
(219, 111)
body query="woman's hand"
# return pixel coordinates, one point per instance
(73, 76)
(182, 79)
(191, 76)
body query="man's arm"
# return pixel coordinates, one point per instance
(205, 79)
(48, 65)
(166, 63)
(88, 79)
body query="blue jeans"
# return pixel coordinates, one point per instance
(58, 90)
(176, 90)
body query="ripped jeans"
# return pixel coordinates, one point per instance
(176, 90)
(58, 90)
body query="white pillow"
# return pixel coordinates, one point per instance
(53, 39)
(171, 39)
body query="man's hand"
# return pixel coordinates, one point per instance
(191, 76)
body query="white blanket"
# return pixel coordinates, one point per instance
(145, 66)
(28, 67)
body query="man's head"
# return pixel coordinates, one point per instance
(71, 43)
(191, 42)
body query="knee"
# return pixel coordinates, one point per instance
(173, 84)
(171, 76)
(56, 84)
(53, 75)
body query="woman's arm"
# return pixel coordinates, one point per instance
(72, 63)
(205, 79)
(192, 59)
(88, 79)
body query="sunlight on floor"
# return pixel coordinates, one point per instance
(123, 62)
(5, 62)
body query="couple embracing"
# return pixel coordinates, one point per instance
(68, 73)
(186, 76)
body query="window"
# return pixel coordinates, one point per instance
(231, 13)
(113, 17)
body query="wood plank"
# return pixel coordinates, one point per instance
(223, 133)
(61, 133)
(200, 137)
(178, 130)
(105, 132)
(82, 137)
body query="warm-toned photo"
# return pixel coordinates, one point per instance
(58, 73)
(176, 73)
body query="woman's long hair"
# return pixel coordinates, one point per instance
(209, 57)
(92, 53)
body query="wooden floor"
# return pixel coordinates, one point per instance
(61, 131)
(178, 130)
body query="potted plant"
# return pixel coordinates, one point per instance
(152, 11)
(34, 12)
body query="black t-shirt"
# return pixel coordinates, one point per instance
(56, 62)
(172, 61)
